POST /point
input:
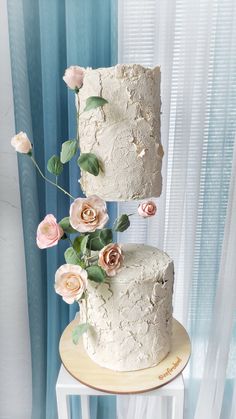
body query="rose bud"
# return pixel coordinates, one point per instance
(21, 143)
(147, 209)
(73, 77)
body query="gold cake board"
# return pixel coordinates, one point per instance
(80, 366)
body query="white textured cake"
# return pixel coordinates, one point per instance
(124, 134)
(130, 315)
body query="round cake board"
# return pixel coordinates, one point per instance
(80, 366)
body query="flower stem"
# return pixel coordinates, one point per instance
(92, 258)
(48, 180)
(70, 242)
(78, 114)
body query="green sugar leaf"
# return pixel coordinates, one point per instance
(77, 243)
(71, 256)
(121, 223)
(94, 102)
(96, 273)
(79, 331)
(65, 225)
(89, 163)
(68, 150)
(54, 165)
(106, 236)
(83, 244)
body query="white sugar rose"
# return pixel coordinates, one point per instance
(74, 76)
(21, 143)
(88, 214)
(70, 282)
(111, 258)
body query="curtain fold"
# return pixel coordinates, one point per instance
(30, 203)
(46, 38)
(213, 383)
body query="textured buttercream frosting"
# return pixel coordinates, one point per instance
(130, 315)
(124, 134)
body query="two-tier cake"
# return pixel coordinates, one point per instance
(124, 291)
(130, 314)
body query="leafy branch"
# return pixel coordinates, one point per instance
(48, 180)
(87, 162)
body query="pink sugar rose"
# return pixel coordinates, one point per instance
(111, 258)
(21, 143)
(70, 282)
(48, 232)
(147, 209)
(73, 77)
(88, 214)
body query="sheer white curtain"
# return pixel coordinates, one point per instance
(212, 387)
(194, 42)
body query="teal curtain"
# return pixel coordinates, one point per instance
(47, 36)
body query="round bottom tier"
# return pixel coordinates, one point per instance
(130, 315)
(125, 362)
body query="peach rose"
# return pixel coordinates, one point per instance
(110, 258)
(147, 209)
(21, 143)
(73, 77)
(88, 214)
(48, 232)
(70, 282)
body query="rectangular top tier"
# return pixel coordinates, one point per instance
(124, 134)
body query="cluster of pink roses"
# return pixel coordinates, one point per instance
(86, 216)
